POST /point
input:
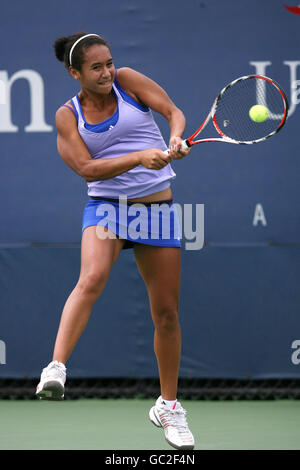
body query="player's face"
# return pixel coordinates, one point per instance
(98, 71)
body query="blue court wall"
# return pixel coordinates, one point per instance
(240, 295)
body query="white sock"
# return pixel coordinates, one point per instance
(169, 403)
(60, 364)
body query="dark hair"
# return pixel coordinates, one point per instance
(63, 45)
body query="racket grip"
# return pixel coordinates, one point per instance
(184, 146)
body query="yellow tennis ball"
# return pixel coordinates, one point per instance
(258, 113)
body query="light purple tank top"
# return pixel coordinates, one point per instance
(132, 128)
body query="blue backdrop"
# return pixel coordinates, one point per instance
(240, 293)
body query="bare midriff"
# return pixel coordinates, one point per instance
(160, 196)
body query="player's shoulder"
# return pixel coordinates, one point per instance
(127, 77)
(125, 71)
(65, 110)
(64, 116)
(67, 107)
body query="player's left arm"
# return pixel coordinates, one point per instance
(148, 92)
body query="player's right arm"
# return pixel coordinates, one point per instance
(75, 154)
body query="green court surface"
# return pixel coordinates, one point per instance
(124, 425)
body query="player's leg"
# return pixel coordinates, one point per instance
(97, 257)
(160, 270)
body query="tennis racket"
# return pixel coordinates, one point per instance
(230, 112)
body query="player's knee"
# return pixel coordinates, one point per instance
(166, 317)
(92, 283)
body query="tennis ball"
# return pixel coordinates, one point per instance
(258, 113)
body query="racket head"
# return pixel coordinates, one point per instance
(230, 111)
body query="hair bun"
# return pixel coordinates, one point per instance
(60, 47)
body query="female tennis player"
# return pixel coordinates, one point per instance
(107, 135)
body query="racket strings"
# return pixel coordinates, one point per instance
(232, 113)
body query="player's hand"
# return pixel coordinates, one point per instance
(175, 148)
(154, 159)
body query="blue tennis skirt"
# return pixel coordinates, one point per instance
(151, 223)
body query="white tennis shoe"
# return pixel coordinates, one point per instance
(52, 383)
(174, 423)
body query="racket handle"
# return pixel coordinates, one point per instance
(184, 146)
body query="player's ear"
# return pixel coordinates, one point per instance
(74, 73)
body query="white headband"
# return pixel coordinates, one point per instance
(76, 42)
